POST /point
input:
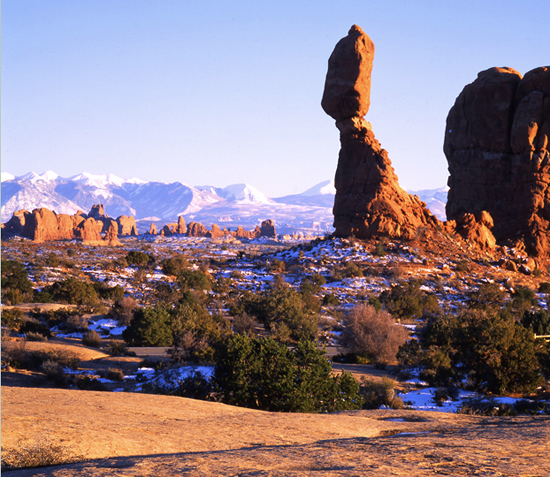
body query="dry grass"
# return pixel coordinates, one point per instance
(40, 451)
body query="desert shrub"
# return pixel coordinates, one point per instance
(489, 348)
(489, 295)
(73, 291)
(36, 327)
(175, 265)
(379, 393)
(443, 394)
(40, 451)
(194, 280)
(85, 382)
(52, 260)
(544, 287)
(537, 321)
(18, 356)
(150, 326)
(123, 310)
(523, 299)
(32, 336)
(351, 270)
(105, 292)
(409, 301)
(373, 334)
(16, 287)
(12, 318)
(282, 311)
(379, 250)
(196, 332)
(485, 406)
(54, 372)
(91, 338)
(74, 323)
(330, 299)
(117, 348)
(138, 258)
(276, 266)
(462, 266)
(244, 324)
(194, 386)
(112, 374)
(262, 373)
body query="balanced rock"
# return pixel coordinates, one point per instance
(496, 144)
(369, 200)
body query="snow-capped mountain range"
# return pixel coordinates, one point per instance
(237, 204)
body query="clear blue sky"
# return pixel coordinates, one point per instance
(221, 92)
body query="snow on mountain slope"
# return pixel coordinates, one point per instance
(237, 204)
(323, 188)
(435, 199)
(320, 195)
(101, 181)
(32, 194)
(245, 193)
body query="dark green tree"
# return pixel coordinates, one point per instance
(150, 327)
(262, 373)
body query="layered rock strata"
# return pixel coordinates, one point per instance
(369, 201)
(496, 144)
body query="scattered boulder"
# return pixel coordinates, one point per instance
(476, 229)
(369, 201)
(496, 144)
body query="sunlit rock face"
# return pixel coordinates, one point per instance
(496, 144)
(369, 200)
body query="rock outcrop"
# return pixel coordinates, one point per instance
(44, 225)
(127, 225)
(496, 144)
(152, 229)
(267, 229)
(369, 201)
(196, 229)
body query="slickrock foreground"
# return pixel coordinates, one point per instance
(369, 200)
(496, 144)
(127, 434)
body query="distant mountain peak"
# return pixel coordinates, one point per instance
(323, 188)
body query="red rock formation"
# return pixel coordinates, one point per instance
(369, 200)
(127, 225)
(196, 229)
(152, 229)
(88, 231)
(496, 144)
(111, 236)
(65, 227)
(267, 229)
(41, 225)
(216, 232)
(181, 228)
(97, 211)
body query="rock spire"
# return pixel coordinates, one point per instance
(369, 200)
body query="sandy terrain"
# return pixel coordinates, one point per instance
(126, 434)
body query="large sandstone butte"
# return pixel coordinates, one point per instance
(369, 201)
(496, 144)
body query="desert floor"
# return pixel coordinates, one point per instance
(129, 434)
